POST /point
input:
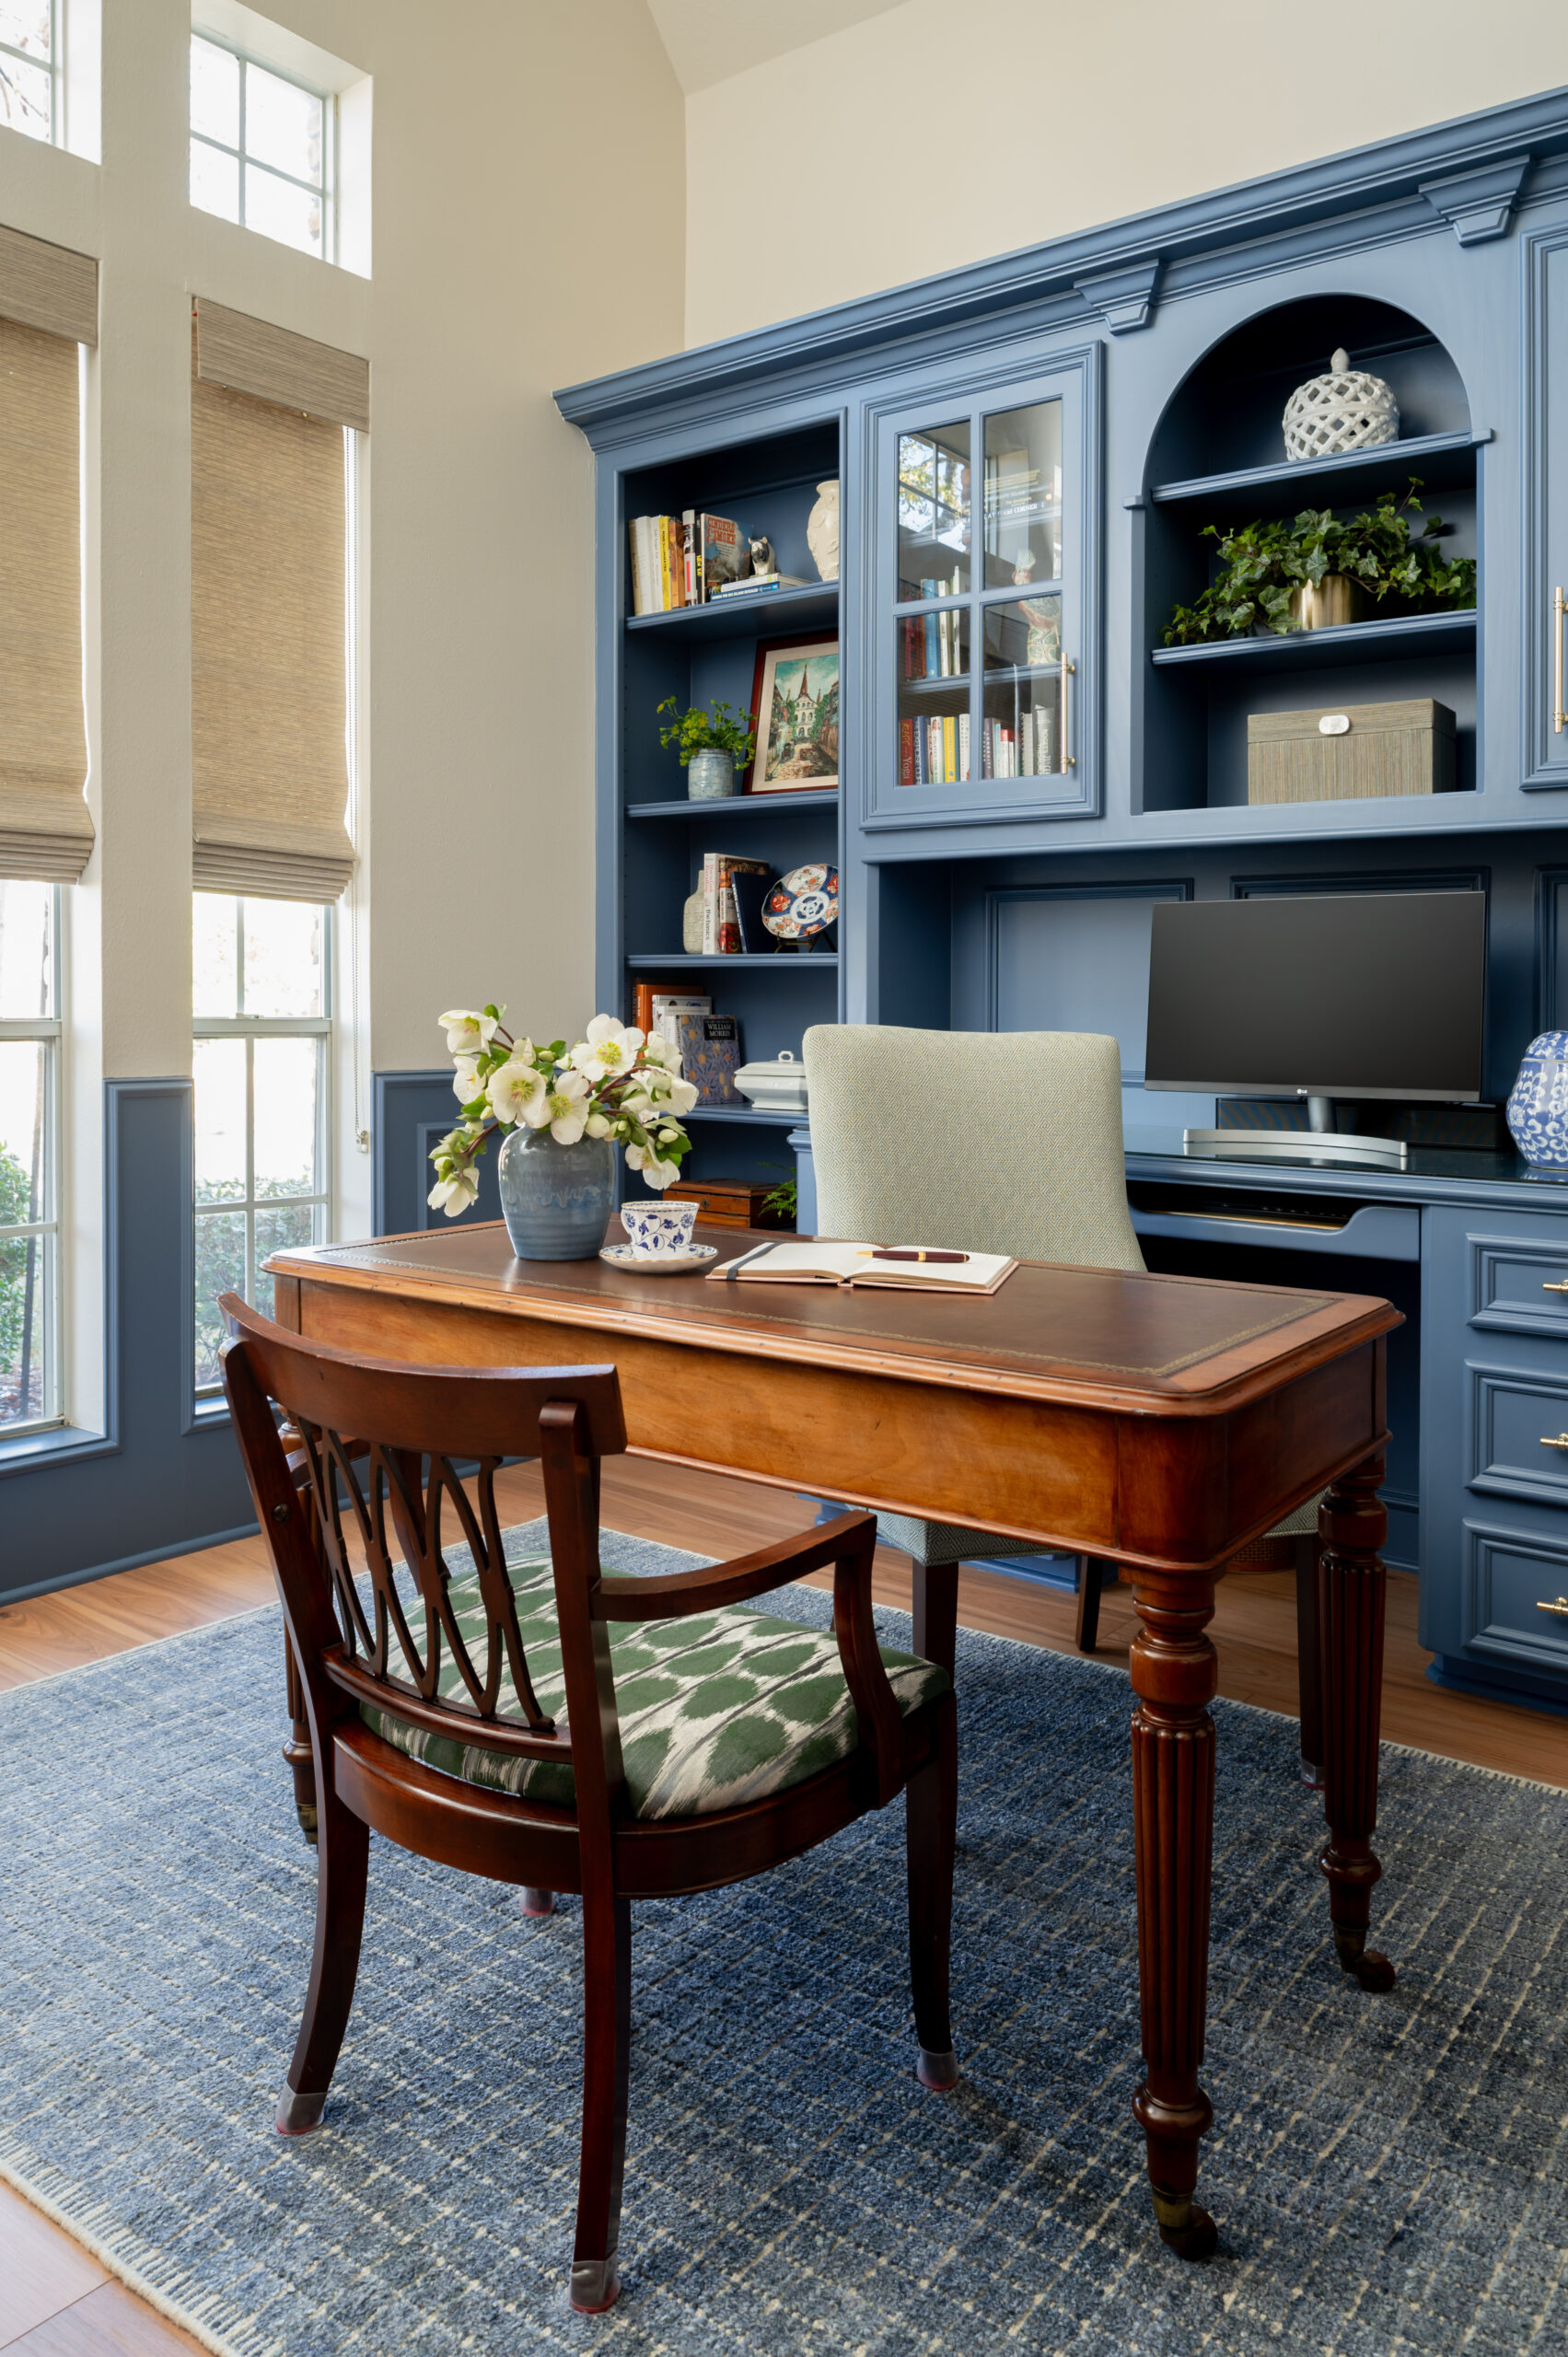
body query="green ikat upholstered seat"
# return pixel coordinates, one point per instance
(716, 1709)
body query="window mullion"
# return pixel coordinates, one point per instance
(244, 77)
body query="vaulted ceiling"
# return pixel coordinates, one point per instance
(710, 40)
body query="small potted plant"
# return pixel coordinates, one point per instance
(710, 743)
(561, 1113)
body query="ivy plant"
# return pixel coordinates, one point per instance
(1263, 565)
(720, 729)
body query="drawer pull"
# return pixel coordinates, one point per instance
(1561, 1286)
(1561, 1441)
(1561, 1605)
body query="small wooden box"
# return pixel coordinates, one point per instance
(727, 1203)
(1382, 748)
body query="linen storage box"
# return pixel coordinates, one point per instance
(1350, 752)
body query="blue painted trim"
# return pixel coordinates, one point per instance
(1514, 1685)
(1478, 206)
(1552, 1000)
(64, 1445)
(131, 1563)
(1372, 194)
(1545, 754)
(411, 1109)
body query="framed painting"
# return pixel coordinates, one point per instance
(794, 694)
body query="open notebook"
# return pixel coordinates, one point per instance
(829, 1263)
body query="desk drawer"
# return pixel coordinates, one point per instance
(1376, 1232)
(1518, 1435)
(1514, 1285)
(1513, 1582)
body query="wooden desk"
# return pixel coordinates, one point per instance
(1162, 1422)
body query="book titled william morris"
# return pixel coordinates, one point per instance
(710, 1055)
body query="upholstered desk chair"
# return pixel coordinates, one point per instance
(993, 1142)
(546, 1726)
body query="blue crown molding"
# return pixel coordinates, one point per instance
(1368, 195)
(1125, 299)
(1478, 206)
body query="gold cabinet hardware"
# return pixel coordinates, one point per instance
(1558, 715)
(1561, 1441)
(1561, 1605)
(1561, 1287)
(1069, 670)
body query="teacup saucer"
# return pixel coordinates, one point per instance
(658, 1264)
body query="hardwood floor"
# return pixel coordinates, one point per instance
(55, 2300)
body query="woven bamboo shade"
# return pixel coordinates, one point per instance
(45, 831)
(268, 688)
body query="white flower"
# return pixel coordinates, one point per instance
(654, 1172)
(610, 1050)
(657, 1050)
(566, 1108)
(466, 1082)
(468, 1032)
(682, 1095)
(597, 1126)
(515, 1090)
(454, 1194)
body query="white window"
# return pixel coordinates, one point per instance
(261, 147)
(29, 1157)
(29, 67)
(264, 1071)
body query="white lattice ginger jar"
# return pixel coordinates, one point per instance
(1538, 1107)
(1346, 410)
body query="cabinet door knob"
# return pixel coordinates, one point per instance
(1561, 1441)
(1561, 1287)
(1561, 1605)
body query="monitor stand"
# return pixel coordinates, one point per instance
(1320, 1145)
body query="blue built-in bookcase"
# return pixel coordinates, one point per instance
(1029, 451)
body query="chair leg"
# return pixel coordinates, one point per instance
(607, 2045)
(537, 1902)
(343, 1855)
(296, 1750)
(1091, 1576)
(930, 1805)
(935, 1598)
(1308, 1656)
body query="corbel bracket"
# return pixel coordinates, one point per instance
(1478, 206)
(1125, 299)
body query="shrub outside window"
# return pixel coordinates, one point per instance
(262, 1062)
(29, 1157)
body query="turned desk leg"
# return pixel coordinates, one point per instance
(1351, 1583)
(1174, 1675)
(296, 1750)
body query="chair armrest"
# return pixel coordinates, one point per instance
(733, 1582)
(865, 1672)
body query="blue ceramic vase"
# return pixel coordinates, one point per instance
(1538, 1108)
(555, 1199)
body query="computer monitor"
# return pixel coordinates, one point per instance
(1354, 995)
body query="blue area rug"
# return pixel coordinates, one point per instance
(1388, 2173)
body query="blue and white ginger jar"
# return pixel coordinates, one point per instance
(1538, 1108)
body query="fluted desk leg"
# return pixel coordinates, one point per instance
(1351, 1583)
(1174, 1675)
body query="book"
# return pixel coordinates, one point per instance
(824, 1263)
(691, 542)
(668, 1003)
(643, 995)
(751, 882)
(709, 1047)
(717, 869)
(726, 552)
(757, 583)
(633, 533)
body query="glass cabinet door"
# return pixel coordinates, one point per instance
(986, 605)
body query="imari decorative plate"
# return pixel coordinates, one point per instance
(803, 902)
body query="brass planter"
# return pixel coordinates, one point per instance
(1336, 599)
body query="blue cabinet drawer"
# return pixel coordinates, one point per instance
(1518, 1437)
(1514, 1581)
(1518, 1284)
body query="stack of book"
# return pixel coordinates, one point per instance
(688, 560)
(933, 751)
(933, 645)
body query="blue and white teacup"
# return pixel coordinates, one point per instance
(655, 1230)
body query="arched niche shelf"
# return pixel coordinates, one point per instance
(1218, 457)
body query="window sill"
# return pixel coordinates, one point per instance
(205, 1413)
(63, 1444)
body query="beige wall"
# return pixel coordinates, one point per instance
(947, 130)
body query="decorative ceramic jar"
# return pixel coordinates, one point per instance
(710, 776)
(1538, 1108)
(555, 1199)
(1346, 410)
(1327, 604)
(822, 531)
(691, 924)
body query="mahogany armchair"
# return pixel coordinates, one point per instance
(515, 1719)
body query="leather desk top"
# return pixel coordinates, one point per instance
(1170, 1345)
